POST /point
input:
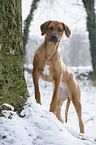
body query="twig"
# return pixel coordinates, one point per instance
(92, 118)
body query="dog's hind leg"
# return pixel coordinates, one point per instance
(77, 105)
(58, 112)
(66, 110)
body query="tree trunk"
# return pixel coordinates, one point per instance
(27, 22)
(13, 88)
(91, 27)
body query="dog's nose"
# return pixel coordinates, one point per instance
(54, 37)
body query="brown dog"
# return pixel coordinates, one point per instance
(65, 85)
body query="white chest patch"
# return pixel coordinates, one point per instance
(46, 70)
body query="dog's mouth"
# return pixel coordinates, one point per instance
(54, 38)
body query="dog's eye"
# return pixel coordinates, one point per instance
(51, 28)
(59, 30)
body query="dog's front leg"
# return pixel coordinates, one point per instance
(53, 105)
(36, 85)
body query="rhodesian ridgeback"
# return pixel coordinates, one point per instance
(64, 84)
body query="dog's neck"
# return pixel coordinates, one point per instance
(50, 48)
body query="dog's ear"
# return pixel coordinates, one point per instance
(67, 30)
(44, 27)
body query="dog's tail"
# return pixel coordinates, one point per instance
(66, 110)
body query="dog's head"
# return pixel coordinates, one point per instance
(54, 30)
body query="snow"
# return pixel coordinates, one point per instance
(41, 127)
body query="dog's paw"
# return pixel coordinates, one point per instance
(61, 120)
(39, 102)
(54, 113)
(52, 109)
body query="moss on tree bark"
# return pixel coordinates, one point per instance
(13, 88)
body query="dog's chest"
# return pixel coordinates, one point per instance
(46, 70)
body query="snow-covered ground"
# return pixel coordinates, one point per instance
(40, 127)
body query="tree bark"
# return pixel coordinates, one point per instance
(91, 27)
(27, 22)
(13, 88)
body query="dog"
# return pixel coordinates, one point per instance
(65, 85)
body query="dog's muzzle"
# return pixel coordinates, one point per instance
(54, 38)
